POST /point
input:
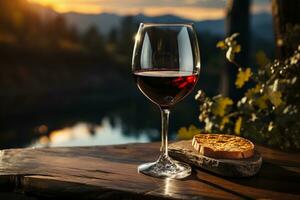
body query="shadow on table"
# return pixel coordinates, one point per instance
(273, 177)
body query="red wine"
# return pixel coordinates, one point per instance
(165, 88)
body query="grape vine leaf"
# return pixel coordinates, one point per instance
(242, 77)
(220, 105)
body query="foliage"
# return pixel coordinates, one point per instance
(268, 112)
(242, 77)
(24, 27)
(186, 133)
(231, 45)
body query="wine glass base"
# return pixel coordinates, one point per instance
(165, 167)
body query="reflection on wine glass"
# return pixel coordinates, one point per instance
(166, 66)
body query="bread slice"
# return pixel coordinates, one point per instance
(223, 146)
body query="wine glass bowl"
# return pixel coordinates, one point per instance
(165, 87)
(166, 66)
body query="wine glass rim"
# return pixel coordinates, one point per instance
(189, 24)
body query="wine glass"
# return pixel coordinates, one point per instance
(165, 66)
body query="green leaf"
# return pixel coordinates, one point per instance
(261, 102)
(261, 59)
(220, 105)
(208, 125)
(275, 97)
(238, 125)
(234, 35)
(236, 48)
(200, 95)
(230, 55)
(185, 134)
(271, 126)
(252, 91)
(225, 120)
(243, 77)
(221, 45)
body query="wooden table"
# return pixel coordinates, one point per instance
(110, 172)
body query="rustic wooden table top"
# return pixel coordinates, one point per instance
(110, 172)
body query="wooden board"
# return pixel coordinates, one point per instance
(110, 172)
(184, 151)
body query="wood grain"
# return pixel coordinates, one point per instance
(110, 172)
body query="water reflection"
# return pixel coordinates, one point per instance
(94, 120)
(86, 134)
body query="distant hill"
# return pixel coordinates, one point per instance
(44, 12)
(261, 23)
(104, 21)
(212, 26)
(262, 26)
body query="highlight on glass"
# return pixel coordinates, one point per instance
(166, 67)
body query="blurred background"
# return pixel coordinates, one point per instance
(66, 66)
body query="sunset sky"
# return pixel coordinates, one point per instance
(193, 9)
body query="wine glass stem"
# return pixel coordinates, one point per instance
(164, 132)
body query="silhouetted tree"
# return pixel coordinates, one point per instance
(92, 40)
(113, 36)
(286, 17)
(73, 33)
(127, 32)
(238, 21)
(12, 15)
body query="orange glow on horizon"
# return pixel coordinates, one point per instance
(100, 6)
(194, 13)
(63, 6)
